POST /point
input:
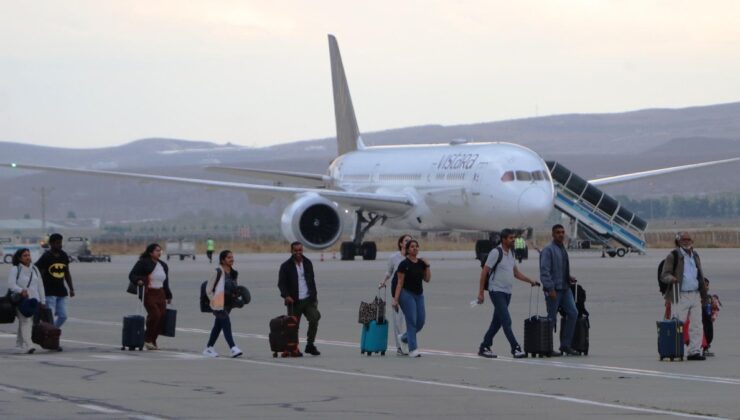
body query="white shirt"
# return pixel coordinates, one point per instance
(503, 277)
(302, 286)
(690, 281)
(157, 277)
(393, 262)
(17, 281)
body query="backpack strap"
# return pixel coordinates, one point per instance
(493, 269)
(218, 277)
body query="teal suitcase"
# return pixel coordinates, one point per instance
(374, 338)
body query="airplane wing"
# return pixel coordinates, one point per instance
(296, 178)
(618, 179)
(393, 204)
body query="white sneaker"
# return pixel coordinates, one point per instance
(415, 353)
(210, 352)
(235, 352)
(404, 345)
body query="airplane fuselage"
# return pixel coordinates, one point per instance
(467, 186)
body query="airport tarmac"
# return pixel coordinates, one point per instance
(621, 376)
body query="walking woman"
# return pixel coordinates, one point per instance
(153, 274)
(411, 273)
(398, 319)
(24, 278)
(222, 281)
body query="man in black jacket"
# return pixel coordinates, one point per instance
(298, 289)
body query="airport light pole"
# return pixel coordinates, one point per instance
(43, 191)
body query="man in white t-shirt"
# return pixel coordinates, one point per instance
(497, 276)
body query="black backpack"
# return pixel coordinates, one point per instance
(205, 303)
(664, 286)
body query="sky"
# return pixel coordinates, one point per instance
(90, 73)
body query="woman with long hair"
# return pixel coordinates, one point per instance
(151, 273)
(24, 279)
(219, 287)
(409, 293)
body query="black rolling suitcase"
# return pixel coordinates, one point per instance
(284, 336)
(132, 336)
(580, 334)
(583, 325)
(537, 333)
(169, 323)
(670, 335)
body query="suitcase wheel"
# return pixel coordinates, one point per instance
(681, 359)
(671, 359)
(661, 358)
(123, 348)
(362, 351)
(274, 354)
(369, 354)
(382, 353)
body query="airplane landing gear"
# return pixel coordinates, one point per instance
(368, 250)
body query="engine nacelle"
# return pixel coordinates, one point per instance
(313, 221)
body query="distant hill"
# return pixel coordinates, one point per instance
(593, 145)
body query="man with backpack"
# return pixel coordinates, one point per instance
(497, 276)
(686, 289)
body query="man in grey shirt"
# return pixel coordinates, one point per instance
(556, 280)
(497, 276)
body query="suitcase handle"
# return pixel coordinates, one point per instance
(141, 295)
(531, 290)
(385, 301)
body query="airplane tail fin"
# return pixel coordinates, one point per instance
(348, 134)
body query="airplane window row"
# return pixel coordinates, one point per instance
(399, 177)
(524, 176)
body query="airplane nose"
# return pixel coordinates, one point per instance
(535, 205)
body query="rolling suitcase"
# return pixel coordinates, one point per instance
(580, 334)
(580, 341)
(169, 323)
(670, 339)
(284, 336)
(537, 333)
(374, 337)
(132, 336)
(46, 335)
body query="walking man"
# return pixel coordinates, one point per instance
(54, 268)
(556, 280)
(298, 289)
(210, 247)
(497, 277)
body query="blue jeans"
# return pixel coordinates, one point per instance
(58, 306)
(412, 306)
(501, 318)
(222, 322)
(564, 298)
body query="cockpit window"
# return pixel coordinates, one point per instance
(523, 176)
(507, 176)
(537, 175)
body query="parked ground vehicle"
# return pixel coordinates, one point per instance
(180, 248)
(9, 248)
(78, 249)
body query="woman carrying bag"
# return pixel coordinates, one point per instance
(221, 283)
(24, 281)
(153, 274)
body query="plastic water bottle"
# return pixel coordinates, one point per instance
(474, 303)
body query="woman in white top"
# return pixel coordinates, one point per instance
(24, 278)
(153, 274)
(216, 289)
(398, 320)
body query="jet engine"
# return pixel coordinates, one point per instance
(313, 221)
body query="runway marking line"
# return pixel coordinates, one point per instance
(561, 398)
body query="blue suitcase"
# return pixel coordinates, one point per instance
(670, 339)
(374, 338)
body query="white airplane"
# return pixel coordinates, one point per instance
(459, 186)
